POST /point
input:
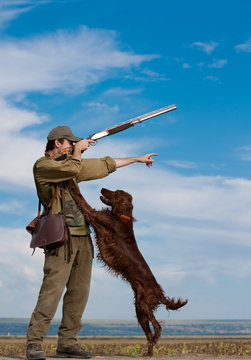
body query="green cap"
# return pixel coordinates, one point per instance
(62, 132)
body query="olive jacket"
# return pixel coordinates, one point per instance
(48, 173)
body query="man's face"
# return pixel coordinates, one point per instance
(67, 144)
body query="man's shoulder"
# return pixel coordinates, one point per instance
(42, 159)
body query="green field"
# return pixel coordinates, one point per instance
(137, 346)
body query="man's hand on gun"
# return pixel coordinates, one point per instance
(81, 146)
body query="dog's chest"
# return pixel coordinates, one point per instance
(118, 231)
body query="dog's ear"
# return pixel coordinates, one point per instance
(122, 203)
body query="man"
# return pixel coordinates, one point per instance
(62, 161)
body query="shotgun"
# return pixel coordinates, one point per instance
(127, 124)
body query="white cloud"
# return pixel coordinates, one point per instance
(103, 108)
(119, 91)
(20, 149)
(218, 64)
(201, 65)
(62, 61)
(212, 78)
(14, 119)
(246, 47)
(147, 75)
(153, 75)
(20, 273)
(182, 164)
(11, 207)
(171, 273)
(11, 9)
(245, 153)
(16, 251)
(186, 66)
(207, 47)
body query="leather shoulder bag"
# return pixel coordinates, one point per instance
(49, 231)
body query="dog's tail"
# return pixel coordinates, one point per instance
(172, 304)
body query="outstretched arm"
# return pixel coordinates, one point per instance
(146, 159)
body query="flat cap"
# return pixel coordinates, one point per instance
(62, 132)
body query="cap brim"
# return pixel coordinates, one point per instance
(74, 138)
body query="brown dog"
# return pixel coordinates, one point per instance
(119, 252)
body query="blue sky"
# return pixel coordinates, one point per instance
(93, 64)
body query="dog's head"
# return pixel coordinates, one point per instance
(119, 200)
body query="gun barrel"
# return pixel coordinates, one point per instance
(127, 124)
(153, 114)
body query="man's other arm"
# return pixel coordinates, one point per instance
(146, 159)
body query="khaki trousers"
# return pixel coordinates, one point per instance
(58, 274)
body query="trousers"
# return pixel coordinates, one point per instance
(75, 276)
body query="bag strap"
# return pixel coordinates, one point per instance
(59, 187)
(39, 209)
(62, 188)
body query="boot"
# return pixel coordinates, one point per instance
(74, 351)
(35, 352)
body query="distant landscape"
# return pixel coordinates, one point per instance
(121, 337)
(125, 328)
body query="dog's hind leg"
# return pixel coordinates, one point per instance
(144, 323)
(156, 326)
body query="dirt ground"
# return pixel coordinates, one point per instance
(166, 357)
(189, 348)
(136, 340)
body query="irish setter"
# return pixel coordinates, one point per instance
(119, 252)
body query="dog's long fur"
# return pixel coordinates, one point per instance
(119, 252)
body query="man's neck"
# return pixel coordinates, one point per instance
(53, 153)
